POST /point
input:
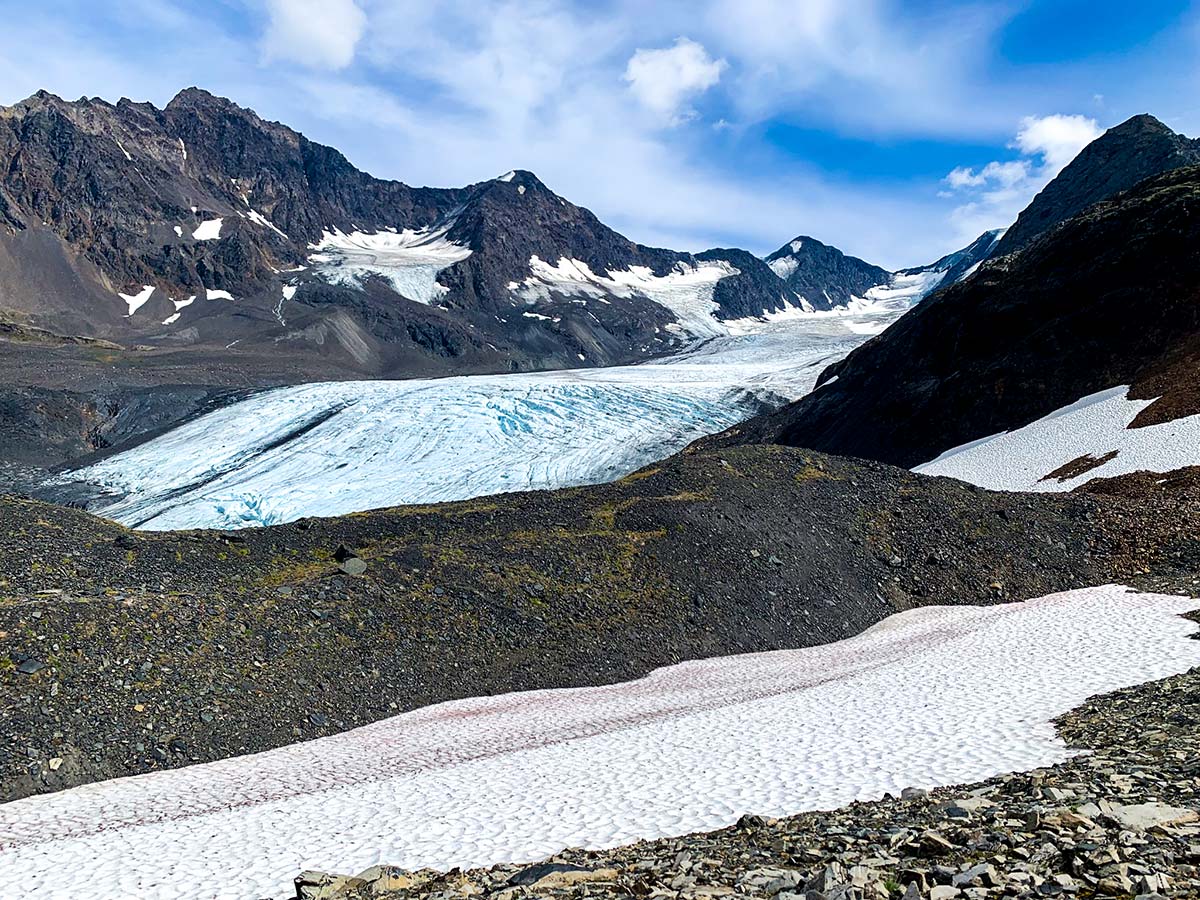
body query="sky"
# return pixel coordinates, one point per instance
(897, 130)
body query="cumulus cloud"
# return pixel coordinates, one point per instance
(665, 79)
(996, 192)
(1056, 139)
(320, 34)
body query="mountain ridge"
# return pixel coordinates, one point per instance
(1128, 153)
(1032, 332)
(204, 199)
(198, 225)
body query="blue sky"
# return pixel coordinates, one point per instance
(895, 130)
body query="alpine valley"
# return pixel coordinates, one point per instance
(449, 540)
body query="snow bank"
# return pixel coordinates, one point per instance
(930, 697)
(1095, 425)
(686, 291)
(390, 442)
(410, 260)
(138, 300)
(208, 231)
(784, 266)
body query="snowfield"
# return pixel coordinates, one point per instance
(935, 696)
(138, 300)
(409, 260)
(686, 291)
(334, 448)
(1095, 426)
(209, 230)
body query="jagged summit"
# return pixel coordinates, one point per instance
(203, 225)
(1136, 149)
(196, 96)
(823, 275)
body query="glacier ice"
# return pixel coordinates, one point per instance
(334, 448)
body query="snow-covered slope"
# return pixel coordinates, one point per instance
(333, 448)
(1092, 435)
(934, 696)
(687, 290)
(409, 260)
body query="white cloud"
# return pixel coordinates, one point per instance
(1057, 139)
(664, 80)
(994, 194)
(315, 33)
(869, 66)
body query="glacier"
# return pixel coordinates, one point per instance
(334, 448)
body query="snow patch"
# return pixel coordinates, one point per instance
(138, 300)
(1094, 425)
(178, 231)
(966, 693)
(507, 177)
(218, 295)
(409, 260)
(208, 231)
(784, 266)
(259, 219)
(686, 291)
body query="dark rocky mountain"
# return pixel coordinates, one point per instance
(1124, 155)
(823, 275)
(826, 278)
(1110, 297)
(196, 226)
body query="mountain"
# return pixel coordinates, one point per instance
(824, 277)
(1106, 300)
(202, 225)
(1124, 155)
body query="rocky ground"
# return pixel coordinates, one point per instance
(1122, 820)
(124, 652)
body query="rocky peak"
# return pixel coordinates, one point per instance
(823, 275)
(1137, 149)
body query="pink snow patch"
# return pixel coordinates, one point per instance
(940, 695)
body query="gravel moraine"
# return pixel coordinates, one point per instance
(124, 652)
(1122, 820)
